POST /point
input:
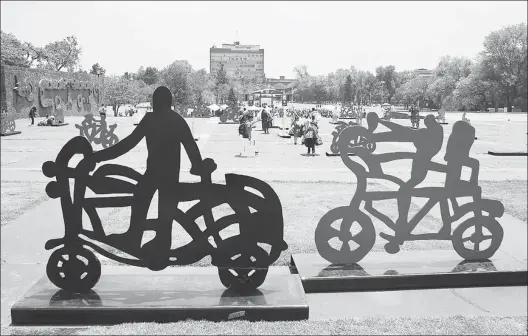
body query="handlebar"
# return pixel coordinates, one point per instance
(77, 145)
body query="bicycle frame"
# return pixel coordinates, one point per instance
(447, 218)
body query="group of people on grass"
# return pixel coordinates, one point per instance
(304, 126)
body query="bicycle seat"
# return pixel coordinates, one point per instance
(493, 207)
(111, 127)
(102, 183)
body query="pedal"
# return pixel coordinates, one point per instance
(386, 236)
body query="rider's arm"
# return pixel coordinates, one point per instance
(190, 146)
(475, 167)
(124, 145)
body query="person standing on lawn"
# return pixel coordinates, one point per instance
(32, 115)
(295, 129)
(310, 135)
(265, 121)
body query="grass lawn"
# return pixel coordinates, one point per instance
(513, 194)
(455, 325)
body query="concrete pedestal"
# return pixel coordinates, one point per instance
(380, 271)
(161, 298)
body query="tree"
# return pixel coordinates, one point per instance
(150, 75)
(97, 69)
(120, 91)
(17, 53)
(231, 98)
(388, 75)
(174, 77)
(505, 54)
(221, 76)
(62, 54)
(347, 93)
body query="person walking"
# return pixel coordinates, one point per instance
(296, 129)
(310, 135)
(266, 117)
(32, 115)
(246, 130)
(102, 110)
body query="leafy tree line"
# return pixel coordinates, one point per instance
(496, 77)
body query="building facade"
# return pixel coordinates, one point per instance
(424, 72)
(279, 82)
(239, 61)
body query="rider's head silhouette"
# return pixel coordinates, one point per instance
(161, 99)
(460, 141)
(430, 120)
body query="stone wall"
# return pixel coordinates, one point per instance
(51, 92)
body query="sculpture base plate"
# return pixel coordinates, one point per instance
(380, 271)
(10, 133)
(337, 154)
(507, 153)
(443, 123)
(161, 298)
(228, 122)
(61, 124)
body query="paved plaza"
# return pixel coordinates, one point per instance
(308, 186)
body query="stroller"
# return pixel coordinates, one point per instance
(242, 260)
(470, 239)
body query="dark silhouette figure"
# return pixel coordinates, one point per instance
(164, 131)
(469, 238)
(241, 261)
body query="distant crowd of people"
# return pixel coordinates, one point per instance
(304, 126)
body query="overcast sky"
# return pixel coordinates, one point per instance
(324, 36)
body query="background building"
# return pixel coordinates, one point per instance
(424, 72)
(240, 61)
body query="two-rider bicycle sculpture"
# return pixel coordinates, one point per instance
(478, 237)
(97, 131)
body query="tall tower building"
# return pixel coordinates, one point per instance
(240, 61)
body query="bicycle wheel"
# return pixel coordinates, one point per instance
(110, 141)
(468, 245)
(76, 270)
(364, 240)
(242, 266)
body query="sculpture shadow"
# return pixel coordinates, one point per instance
(242, 259)
(477, 237)
(356, 270)
(97, 131)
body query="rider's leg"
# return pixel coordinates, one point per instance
(418, 174)
(142, 199)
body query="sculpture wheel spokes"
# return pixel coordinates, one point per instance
(344, 235)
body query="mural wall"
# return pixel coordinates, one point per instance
(51, 92)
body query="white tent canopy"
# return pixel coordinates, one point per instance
(213, 107)
(143, 105)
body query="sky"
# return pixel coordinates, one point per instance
(324, 36)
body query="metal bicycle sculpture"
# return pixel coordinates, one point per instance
(7, 123)
(241, 259)
(476, 238)
(97, 131)
(359, 141)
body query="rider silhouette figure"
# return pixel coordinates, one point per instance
(164, 131)
(428, 142)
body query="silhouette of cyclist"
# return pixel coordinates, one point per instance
(164, 131)
(428, 142)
